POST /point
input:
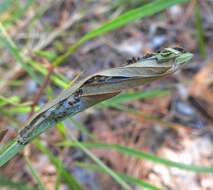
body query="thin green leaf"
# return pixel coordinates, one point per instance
(59, 80)
(143, 155)
(199, 29)
(83, 129)
(14, 100)
(21, 109)
(130, 16)
(35, 175)
(127, 178)
(18, 10)
(68, 177)
(50, 55)
(130, 96)
(109, 171)
(9, 150)
(59, 176)
(7, 41)
(148, 117)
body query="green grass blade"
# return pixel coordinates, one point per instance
(130, 96)
(22, 109)
(143, 155)
(127, 178)
(9, 100)
(132, 15)
(109, 171)
(199, 28)
(143, 114)
(68, 177)
(35, 175)
(9, 151)
(83, 129)
(59, 80)
(59, 176)
(13, 100)
(18, 10)
(138, 182)
(10, 45)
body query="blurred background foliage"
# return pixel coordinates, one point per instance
(154, 137)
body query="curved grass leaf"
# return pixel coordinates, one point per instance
(11, 46)
(68, 177)
(143, 155)
(105, 168)
(199, 29)
(127, 178)
(130, 16)
(130, 96)
(35, 175)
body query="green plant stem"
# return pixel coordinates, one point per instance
(199, 29)
(102, 165)
(35, 175)
(10, 152)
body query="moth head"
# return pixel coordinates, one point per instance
(176, 54)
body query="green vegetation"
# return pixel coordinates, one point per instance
(11, 11)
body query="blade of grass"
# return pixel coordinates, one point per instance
(68, 177)
(132, 15)
(59, 175)
(35, 175)
(13, 100)
(59, 80)
(126, 97)
(138, 113)
(18, 10)
(199, 29)
(9, 100)
(83, 129)
(109, 171)
(127, 178)
(9, 150)
(21, 109)
(143, 155)
(130, 96)
(5, 38)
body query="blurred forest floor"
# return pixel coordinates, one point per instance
(183, 130)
